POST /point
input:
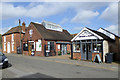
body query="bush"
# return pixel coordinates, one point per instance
(59, 53)
(68, 52)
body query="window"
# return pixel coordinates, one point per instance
(12, 37)
(97, 48)
(76, 47)
(4, 46)
(12, 46)
(48, 46)
(4, 38)
(25, 47)
(39, 45)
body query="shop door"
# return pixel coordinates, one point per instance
(83, 51)
(89, 53)
(8, 47)
(63, 49)
(30, 49)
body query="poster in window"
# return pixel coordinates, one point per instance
(58, 46)
(39, 46)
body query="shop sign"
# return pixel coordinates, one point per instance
(85, 34)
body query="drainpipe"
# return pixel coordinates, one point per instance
(71, 50)
(20, 37)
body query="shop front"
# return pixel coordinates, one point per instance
(90, 45)
(87, 49)
(41, 40)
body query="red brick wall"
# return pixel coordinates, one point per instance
(93, 55)
(76, 55)
(35, 35)
(9, 39)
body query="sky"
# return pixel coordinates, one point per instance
(72, 16)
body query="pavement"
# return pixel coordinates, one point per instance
(66, 60)
(23, 66)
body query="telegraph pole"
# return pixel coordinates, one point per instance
(20, 37)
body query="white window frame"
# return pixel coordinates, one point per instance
(4, 38)
(12, 37)
(4, 46)
(12, 46)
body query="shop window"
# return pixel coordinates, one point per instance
(76, 47)
(25, 47)
(97, 48)
(50, 46)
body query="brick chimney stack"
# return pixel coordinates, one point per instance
(23, 26)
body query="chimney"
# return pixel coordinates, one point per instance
(23, 26)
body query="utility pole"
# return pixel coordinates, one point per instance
(20, 37)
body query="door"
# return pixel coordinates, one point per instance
(8, 47)
(86, 53)
(83, 51)
(63, 49)
(89, 51)
(30, 49)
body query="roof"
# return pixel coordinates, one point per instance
(51, 34)
(73, 35)
(95, 33)
(110, 32)
(12, 30)
(102, 35)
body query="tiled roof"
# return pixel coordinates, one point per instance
(12, 30)
(51, 34)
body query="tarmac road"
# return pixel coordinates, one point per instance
(34, 67)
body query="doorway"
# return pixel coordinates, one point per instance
(63, 49)
(86, 53)
(8, 47)
(30, 47)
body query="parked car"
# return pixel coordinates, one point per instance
(3, 60)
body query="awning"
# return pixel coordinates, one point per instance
(62, 42)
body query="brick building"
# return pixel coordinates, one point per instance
(46, 39)
(11, 39)
(89, 43)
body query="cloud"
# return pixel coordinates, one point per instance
(113, 29)
(84, 16)
(4, 29)
(39, 10)
(32, 10)
(64, 20)
(110, 13)
(78, 28)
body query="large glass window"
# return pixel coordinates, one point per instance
(97, 48)
(76, 47)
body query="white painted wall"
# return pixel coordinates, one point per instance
(105, 49)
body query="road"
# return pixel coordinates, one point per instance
(34, 67)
